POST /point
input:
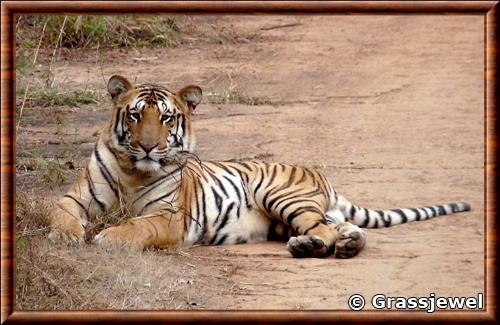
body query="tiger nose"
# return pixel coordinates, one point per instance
(148, 146)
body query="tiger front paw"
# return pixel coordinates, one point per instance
(67, 230)
(350, 241)
(119, 237)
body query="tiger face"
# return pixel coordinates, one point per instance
(151, 124)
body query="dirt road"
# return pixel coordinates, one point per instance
(390, 108)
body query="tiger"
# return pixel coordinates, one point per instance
(145, 156)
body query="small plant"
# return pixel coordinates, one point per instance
(21, 242)
(225, 90)
(234, 95)
(49, 171)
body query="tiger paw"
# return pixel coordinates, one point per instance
(66, 230)
(63, 236)
(307, 246)
(350, 241)
(119, 237)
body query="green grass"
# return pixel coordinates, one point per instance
(53, 97)
(96, 31)
(51, 171)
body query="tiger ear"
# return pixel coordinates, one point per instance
(191, 95)
(118, 85)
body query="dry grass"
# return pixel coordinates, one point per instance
(234, 95)
(96, 31)
(58, 277)
(223, 88)
(56, 97)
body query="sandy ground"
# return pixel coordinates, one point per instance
(390, 108)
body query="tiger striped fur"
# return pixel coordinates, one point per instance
(144, 154)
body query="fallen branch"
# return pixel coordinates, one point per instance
(280, 26)
(70, 142)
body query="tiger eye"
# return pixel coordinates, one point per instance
(166, 118)
(134, 116)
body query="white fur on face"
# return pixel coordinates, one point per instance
(147, 165)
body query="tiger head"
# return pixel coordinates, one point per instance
(151, 124)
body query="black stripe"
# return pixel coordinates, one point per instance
(292, 174)
(111, 150)
(240, 173)
(161, 96)
(317, 223)
(121, 138)
(273, 175)
(157, 199)
(234, 187)
(259, 184)
(353, 211)
(302, 179)
(203, 213)
(281, 197)
(434, 211)
(105, 172)
(324, 187)
(425, 213)
(312, 176)
(226, 217)
(218, 181)
(91, 186)
(417, 214)
(266, 197)
(367, 218)
(224, 167)
(387, 221)
(197, 205)
(159, 179)
(244, 164)
(223, 222)
(183, 128)
(454, 207)
(404, 219)
(220, 241)
(296, 201)
(300, 211)
(80, 204)
(117, 120)
(243, 187)
(237, 194)
(218, 199)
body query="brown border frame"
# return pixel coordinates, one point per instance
(489, 9)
